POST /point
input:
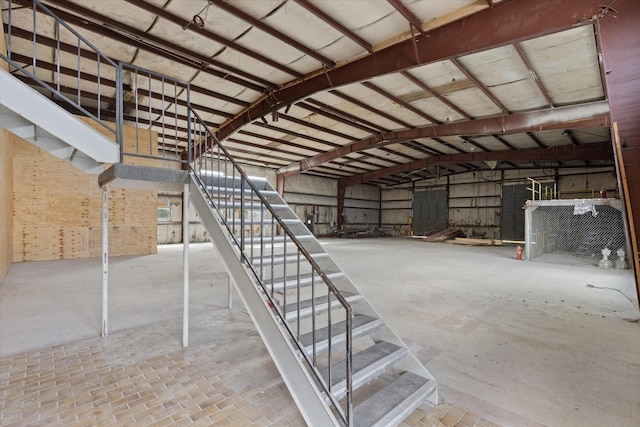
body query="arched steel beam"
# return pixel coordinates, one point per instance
(507, 22)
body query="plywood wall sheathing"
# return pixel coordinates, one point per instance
(57, 209)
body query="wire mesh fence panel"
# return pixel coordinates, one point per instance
(577, 235)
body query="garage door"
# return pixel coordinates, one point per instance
(429, 211)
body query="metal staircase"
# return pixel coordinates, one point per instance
(342, 363)
(361, 372)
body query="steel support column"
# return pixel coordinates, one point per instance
(105, 261)
(185, 266)
(341, 192)
(620, 45)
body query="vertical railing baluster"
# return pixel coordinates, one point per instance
(150, 115)
(137, 106)
(79, 82)
(242, 220)
(298, 296)
(98, 60)
(35, 50)
(272, 253)
(252, 233)
(233, 196)
(119, 111)
(313, 314)
(163, 116)
(284, 271)
(57, 29)
(329, 355)
(175, 122)
(261, 240)
(349, 367)
(10, 26)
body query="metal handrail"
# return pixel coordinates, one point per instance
(188, 135)
(316, 269)
(169, 94)
(100, 59)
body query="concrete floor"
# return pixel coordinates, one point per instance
(517, 343)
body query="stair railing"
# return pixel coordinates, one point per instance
(214, 164)
(149, 101)
(77, 89)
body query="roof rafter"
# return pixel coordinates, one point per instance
(430, 91)
(580, 116)
(367, 107)
(533, 74)
(399, 101)
(479, 85)
(153, 44)
(407, 14)
(158, 11)
(272, 31)
(598, 151)
(335, 24)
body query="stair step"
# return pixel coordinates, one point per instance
(305, 280)
(361, 325)
(214, 191)
(220, 180)
(266, 240)
(392, 404)
(258, 221)
(366, 365)
(320, 303)
(237, 204)
(268, 260)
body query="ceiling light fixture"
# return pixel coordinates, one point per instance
(198, 19)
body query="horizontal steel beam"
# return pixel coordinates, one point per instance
(598, 151)
(589, 115)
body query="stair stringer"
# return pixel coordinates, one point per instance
(410, 363)
(30, 115)
(305, 393)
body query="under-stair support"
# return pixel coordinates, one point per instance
(185, 265)
(105, 261)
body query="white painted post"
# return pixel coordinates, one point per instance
(528, 217)
(185, 265)
(105, 261)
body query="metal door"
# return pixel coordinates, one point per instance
(430, 210)
(512, 212)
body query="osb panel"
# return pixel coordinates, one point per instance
(6, 200)
(147, 142)
(57, 211)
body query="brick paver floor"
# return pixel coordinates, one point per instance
(144, 377)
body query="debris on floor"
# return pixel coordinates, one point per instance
(447, 234)
(358, 233)
(475, 242)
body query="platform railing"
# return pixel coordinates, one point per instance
(78, 90)
(123, 98)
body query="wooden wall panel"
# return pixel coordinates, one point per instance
(6, 201)
(57, 209)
